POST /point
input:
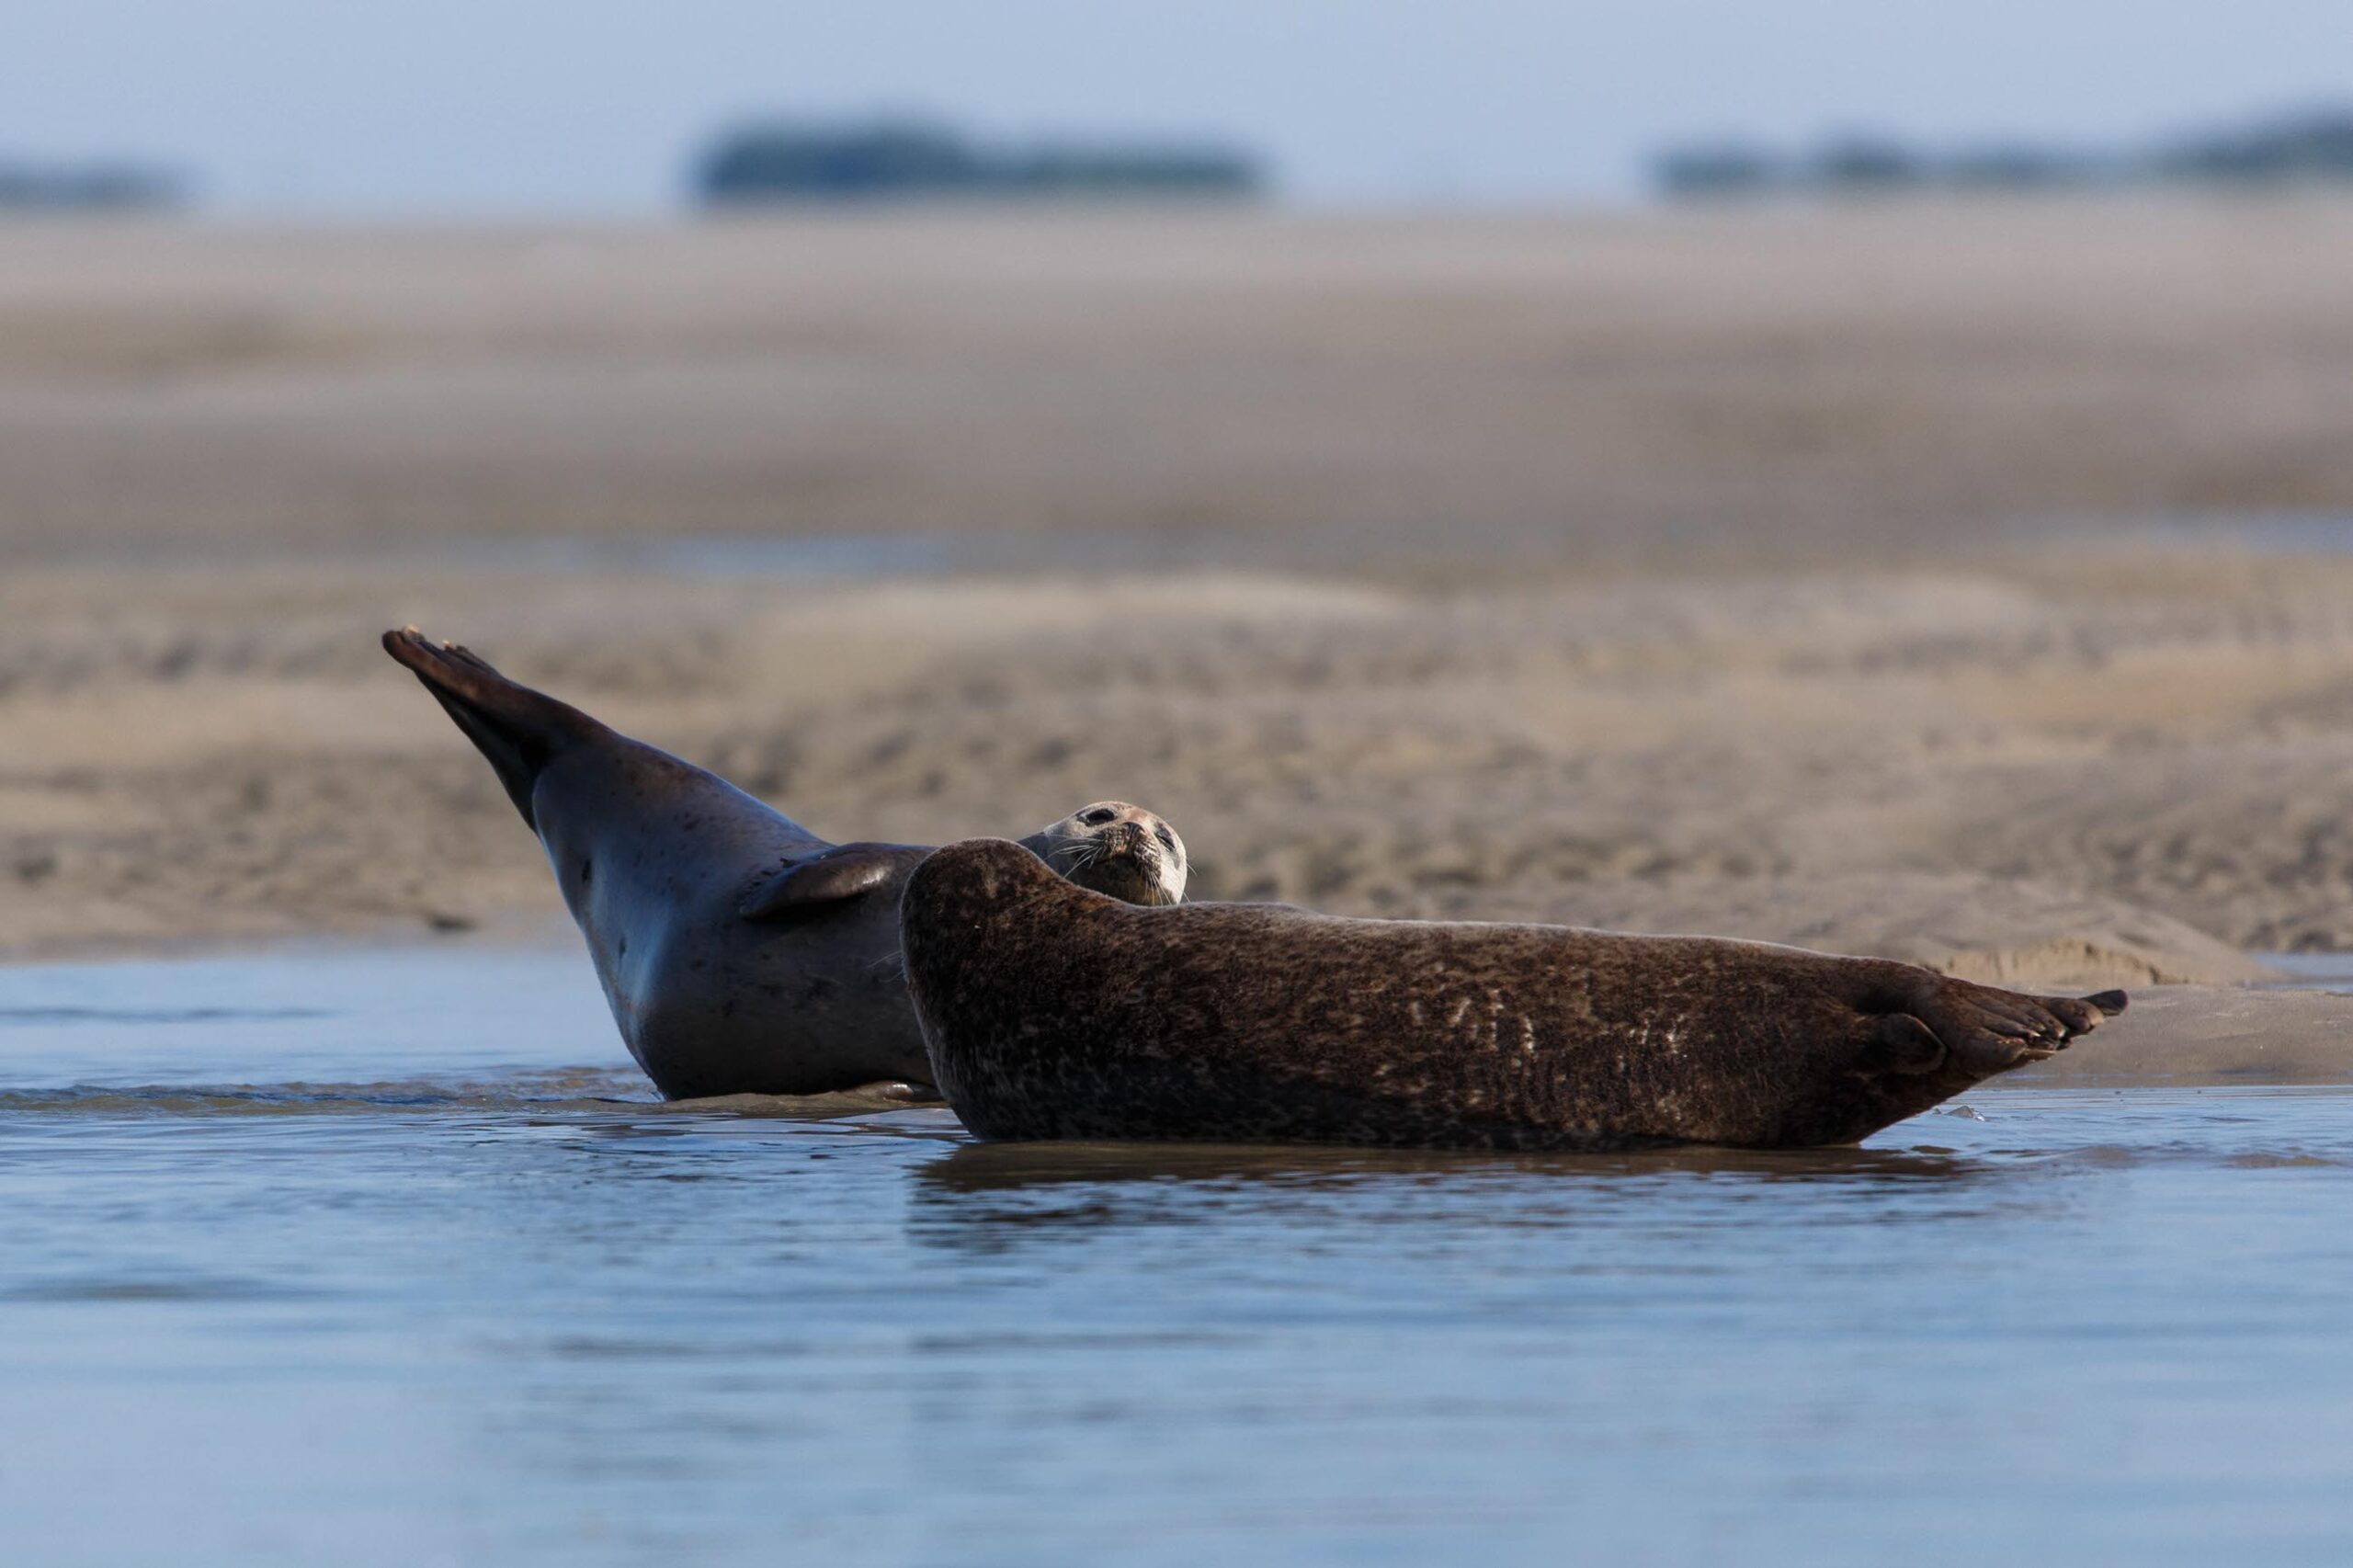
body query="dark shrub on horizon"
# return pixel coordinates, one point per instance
(810, 164)
(2313, 146)
(1715, 170)
(1864, 162)
(888, 159)
(2017, 166)
(2318, 145)
(1145, 171)
(27, 187)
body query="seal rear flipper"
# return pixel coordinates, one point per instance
(1989, 1031)
(843, 872)
(516, 728)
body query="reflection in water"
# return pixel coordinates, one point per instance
(402, 1264)
(997, 1200)
(984, 1167)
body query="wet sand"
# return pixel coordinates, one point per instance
(1975, 771)
(1878, 581)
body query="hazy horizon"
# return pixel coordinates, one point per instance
(340, 108)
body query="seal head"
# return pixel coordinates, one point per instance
(1116, 848)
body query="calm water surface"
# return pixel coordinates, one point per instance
(390, 1259)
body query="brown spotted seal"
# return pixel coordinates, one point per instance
(740, 953)
(1054, 1012)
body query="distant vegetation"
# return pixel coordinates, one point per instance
(888, 160)
(89, 187)
(2307, 148)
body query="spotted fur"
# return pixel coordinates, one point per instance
(1048, 1011)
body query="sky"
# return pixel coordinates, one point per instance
(589, 107)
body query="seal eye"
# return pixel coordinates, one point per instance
(1167, 839)
(1096, 816)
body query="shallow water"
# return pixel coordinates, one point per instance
(2310, 972)
(390, 1258)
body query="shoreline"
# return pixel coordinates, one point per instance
(1971, 767)
(2279, 1034)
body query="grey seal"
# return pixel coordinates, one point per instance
(1054, 1012)
(740, 953)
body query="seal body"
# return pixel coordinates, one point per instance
(1052, 1012)
(740, 953)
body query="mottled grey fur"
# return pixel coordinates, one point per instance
(740, 952)
(1054, 1012)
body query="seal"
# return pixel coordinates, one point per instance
(740, 953)
(1118, 849)
(1054, 1012)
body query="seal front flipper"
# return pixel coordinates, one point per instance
(516, 728)
(843, 872)
(1900, 1043)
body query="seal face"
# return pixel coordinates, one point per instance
(740, 952)
(1116, 848)
(1054, 1012)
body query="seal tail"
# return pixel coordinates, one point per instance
(516, 728)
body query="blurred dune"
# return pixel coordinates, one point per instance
(1761, 383)
(1866, 578)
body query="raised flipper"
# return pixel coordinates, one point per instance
(843, 872)
(516, 728)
